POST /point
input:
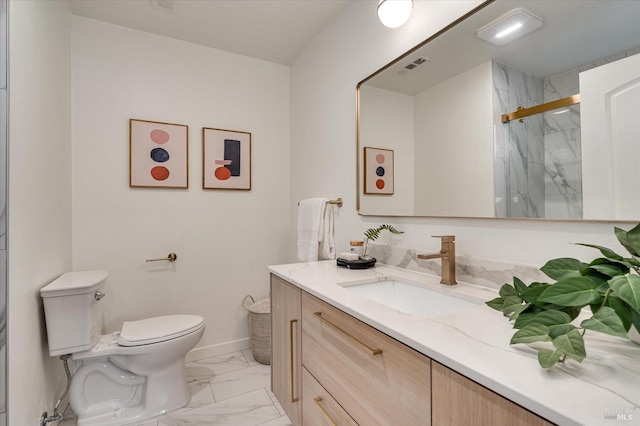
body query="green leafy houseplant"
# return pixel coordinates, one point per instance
(544, 312)
(372, 234)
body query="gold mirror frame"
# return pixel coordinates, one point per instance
(360, 144)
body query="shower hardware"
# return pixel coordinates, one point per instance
(171, 257)
(538, 109)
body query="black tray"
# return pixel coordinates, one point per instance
(356, 264)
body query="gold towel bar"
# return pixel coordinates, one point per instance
(337, 202)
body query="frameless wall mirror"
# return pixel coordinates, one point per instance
(540, 121)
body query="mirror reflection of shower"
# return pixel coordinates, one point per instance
(537, 157)
(538, 146)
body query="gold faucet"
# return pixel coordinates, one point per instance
(448, 255)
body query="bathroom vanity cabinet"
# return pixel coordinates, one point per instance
(286, 353)
(329, 368)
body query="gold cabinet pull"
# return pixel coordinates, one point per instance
(373, 351)
(291, 350)
(318, 401)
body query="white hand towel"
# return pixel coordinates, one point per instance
(327, 240)
(310, 221)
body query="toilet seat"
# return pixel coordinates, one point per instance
(158, 329)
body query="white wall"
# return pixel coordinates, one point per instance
(324, 78)
(224, 239)
(386, 121)
(39, 239)
(454, 146)
(457, 129)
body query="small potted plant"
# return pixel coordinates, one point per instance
(372, 234)
(544, 312)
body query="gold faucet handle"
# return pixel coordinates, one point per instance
(445, 238)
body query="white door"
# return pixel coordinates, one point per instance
(610, 128)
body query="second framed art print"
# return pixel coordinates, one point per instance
(226, 159)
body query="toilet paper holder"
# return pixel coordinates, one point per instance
(171, 257)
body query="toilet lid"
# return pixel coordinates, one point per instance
(158, 329)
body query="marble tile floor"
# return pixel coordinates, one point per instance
(231, 389)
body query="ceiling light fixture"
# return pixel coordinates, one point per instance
(394, 13)
(509, 27)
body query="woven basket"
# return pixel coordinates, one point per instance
(259, 328)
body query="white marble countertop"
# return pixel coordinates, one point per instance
(475, 343)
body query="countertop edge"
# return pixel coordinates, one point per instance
(312, 277)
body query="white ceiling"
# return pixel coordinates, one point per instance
(574, 34)
(272, 30)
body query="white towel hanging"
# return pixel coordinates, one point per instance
(315, 230)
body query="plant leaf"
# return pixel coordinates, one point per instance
(623, 310)
(605, 321)
(560, 329)
(548, 358)
(633, 239)
(572, 344)
(507, 290)
(572, 311)
(547, 318)
(627, 288)
(611, 270)
(622, 236)
(524, 318)
(533, 292)
(512, 310)
(520, 286)
(374, 233)
(575, 291)
(606, 252)
(635, 320)
(497, 303)
(531, 333)
(564, 267)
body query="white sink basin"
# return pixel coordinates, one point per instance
(410, 298)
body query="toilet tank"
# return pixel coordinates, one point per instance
(73, 311)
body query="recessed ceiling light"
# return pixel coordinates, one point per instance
(509, 27)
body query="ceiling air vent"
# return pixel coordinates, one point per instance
(413, 65)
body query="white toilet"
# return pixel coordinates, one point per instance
(123, 377)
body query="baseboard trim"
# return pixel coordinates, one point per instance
(217, 349)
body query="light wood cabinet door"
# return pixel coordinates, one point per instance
(286, 355)
(375, 378)
(457, 400)
(318, 406)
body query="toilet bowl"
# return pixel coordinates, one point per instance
(126, 376)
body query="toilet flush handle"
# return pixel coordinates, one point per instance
(99, 295)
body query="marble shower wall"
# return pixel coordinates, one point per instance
(563, 176)
(518, 146)
(563, 165)
(538, 169)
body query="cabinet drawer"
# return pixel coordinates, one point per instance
(461, 401)
(318, 407)
(376, 379)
